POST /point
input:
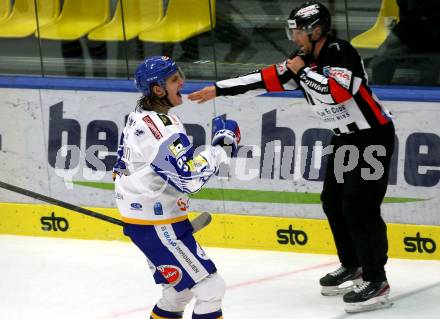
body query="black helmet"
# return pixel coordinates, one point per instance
(309, 15)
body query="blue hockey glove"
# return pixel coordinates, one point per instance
(226, 133)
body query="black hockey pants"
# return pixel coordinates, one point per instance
(352, 206)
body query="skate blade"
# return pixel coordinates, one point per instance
(342, 289)
(369, 305)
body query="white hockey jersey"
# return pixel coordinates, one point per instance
(157, 168)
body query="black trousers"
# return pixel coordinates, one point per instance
(352, 205)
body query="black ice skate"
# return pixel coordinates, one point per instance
(340, 281)
(368, 296)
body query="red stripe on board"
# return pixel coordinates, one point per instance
(270, 79)
(373, 105)
(145, 309)
(281, 275)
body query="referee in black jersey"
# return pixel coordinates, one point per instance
(332, 77)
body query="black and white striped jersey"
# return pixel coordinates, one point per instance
(335, 85)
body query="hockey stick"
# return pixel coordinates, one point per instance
(60, 203)
(198, 223)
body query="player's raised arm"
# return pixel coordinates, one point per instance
(274, 78)
(187, 172)
(203, 95)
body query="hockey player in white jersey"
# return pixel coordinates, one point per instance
(155, 171)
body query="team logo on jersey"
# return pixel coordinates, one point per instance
(139, 132)
(153, 128)
(158, 210)
(176, 147)
(197, 163)
(341, 75)
(136, 206)
(131, 121)
(165, 119)
(182, 204)
(171, 273)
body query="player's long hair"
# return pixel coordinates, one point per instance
(144, 103)
(151, 102)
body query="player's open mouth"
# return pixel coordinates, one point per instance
(179, 94)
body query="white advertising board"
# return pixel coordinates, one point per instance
(274, 174)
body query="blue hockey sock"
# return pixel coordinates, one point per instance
(211, 315)
(158, 313)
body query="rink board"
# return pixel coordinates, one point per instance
(63, 143)
(226, 230)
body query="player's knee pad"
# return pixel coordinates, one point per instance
(209, 294)
(211, 287)
(173, 300)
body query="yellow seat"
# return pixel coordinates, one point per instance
(5, 7)
(138, 16)
(22, 21)
(184, 19)
(374, 37)
(77, 18)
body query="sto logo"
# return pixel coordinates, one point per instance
(183, 204)
(171, 273)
